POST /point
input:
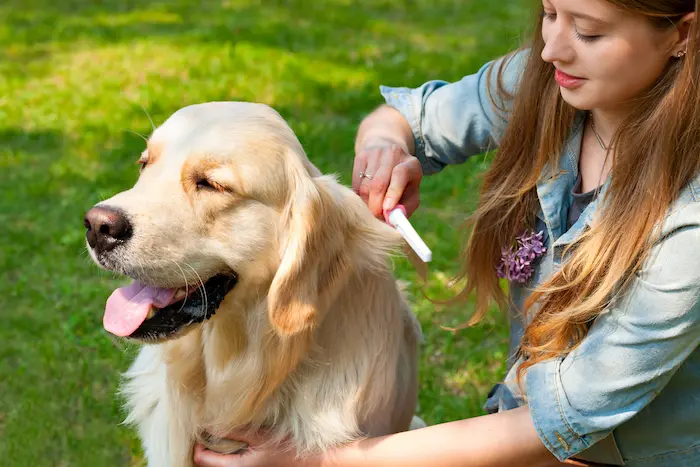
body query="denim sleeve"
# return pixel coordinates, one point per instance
(452, 121)
(630, 353)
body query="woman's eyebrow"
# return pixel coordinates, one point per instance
(579, 15)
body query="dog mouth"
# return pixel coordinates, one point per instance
(145, 312)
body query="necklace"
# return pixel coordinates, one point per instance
(597, 136)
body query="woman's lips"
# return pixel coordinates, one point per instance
(567, 81)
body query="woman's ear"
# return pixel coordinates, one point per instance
(684, 27)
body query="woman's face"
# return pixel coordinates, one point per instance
(603, 56)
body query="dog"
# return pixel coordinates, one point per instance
(262, 293)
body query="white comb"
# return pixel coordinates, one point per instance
(397, 219)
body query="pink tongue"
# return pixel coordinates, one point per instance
(128, 307)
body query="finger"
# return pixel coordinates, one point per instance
(206, 458)
(406, 174)
(411, 199)
(411, 195)
(366, 182)
(359, 165)
(377, 189)
(394, 192)
(389, 158)
(251, 438)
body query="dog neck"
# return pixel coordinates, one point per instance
(255, 378)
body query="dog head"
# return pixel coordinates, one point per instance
(226, 198)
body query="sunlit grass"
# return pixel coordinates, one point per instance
(75, 77)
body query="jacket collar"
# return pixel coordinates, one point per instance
(554, 191)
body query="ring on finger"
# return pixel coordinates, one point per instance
(366, 175)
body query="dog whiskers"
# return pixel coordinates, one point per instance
(204, 293)
(201, 282)
(187, 286)
(137, 134)
(147, 115)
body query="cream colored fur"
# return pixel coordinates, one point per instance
(315, 343)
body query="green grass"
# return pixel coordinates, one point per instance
(74, 76)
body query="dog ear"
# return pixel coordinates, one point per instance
(315, 262)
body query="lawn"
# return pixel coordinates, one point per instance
(75, 76)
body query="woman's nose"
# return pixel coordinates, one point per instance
(557, 47)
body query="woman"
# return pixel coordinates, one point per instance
(591, 210)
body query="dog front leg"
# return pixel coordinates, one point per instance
(166, 440)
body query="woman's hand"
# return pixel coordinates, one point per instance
(250, 458)
(385, 176)
(390, 174)
(259, 454)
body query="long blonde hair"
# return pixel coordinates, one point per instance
(648, 175)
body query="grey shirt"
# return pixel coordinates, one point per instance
(579, 202)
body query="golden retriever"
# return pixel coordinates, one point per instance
(262, 292)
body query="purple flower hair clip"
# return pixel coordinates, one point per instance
(516, 263)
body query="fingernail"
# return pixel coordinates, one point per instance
(388, 203)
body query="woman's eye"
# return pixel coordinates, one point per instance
(549, 16)
(585, 38)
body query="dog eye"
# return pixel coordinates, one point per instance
(204, 184)
(142, 162)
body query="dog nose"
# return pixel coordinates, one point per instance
(106, 228)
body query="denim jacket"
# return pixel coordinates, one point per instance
(629, 394)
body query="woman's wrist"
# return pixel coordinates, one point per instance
(383, 128)
(380, 141)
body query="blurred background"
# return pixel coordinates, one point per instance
(76, 80)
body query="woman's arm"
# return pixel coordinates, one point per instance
(383, 152)
(504, 439)
(500, 440)
(383, 149)
(440, 123)
(383, 128)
